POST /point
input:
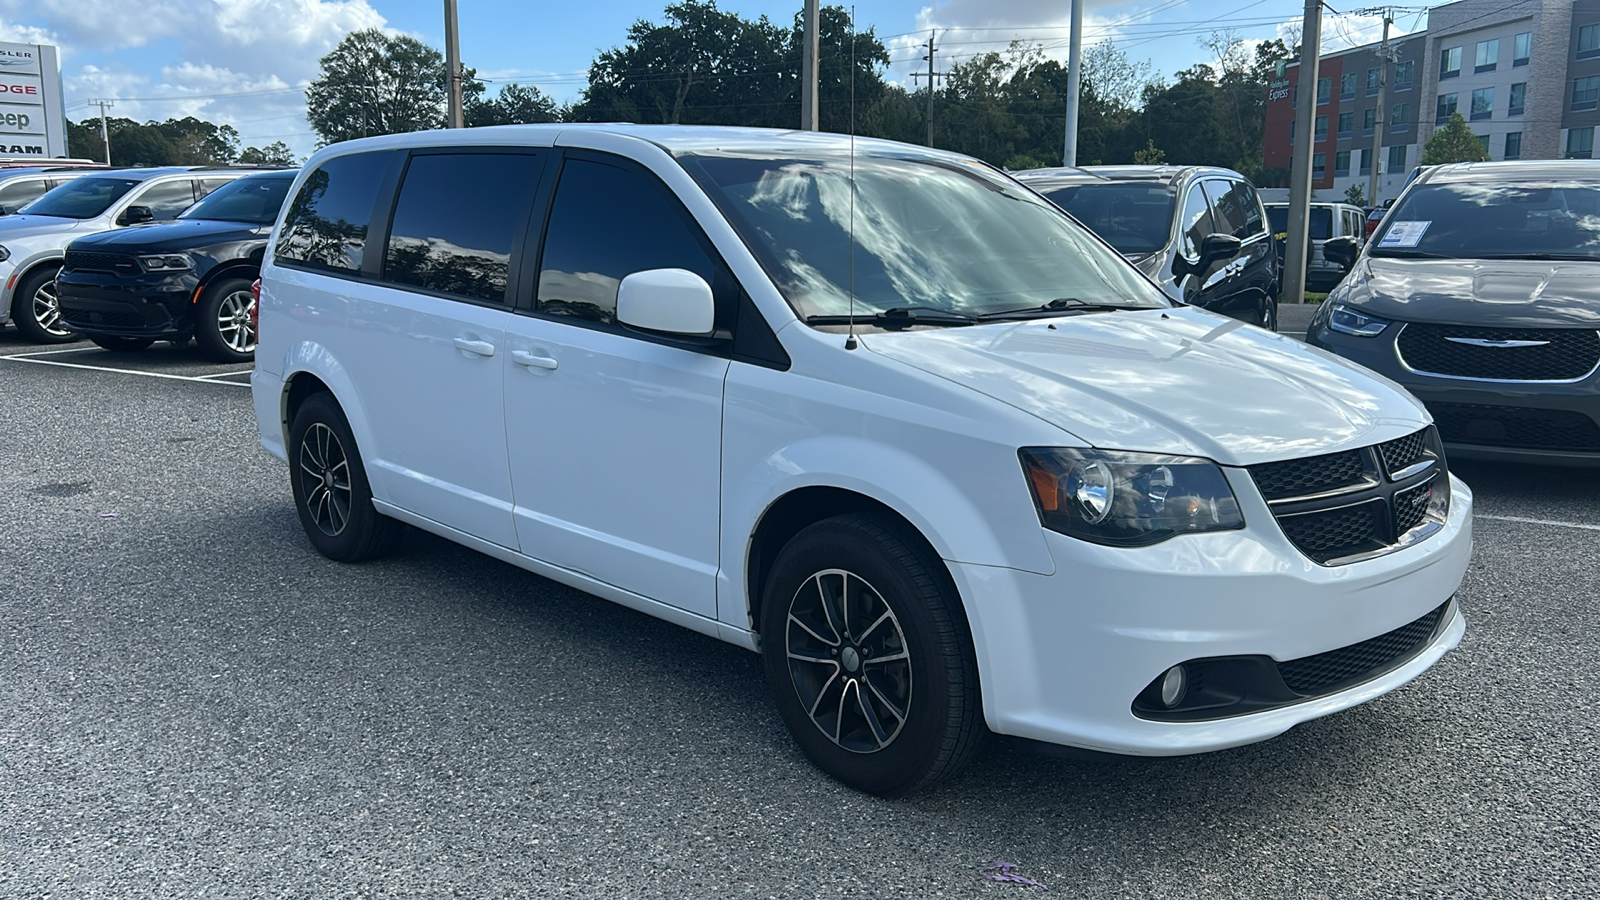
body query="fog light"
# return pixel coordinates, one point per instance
(1172, 685)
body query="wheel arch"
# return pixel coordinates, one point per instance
(25, 271)
(237, 268)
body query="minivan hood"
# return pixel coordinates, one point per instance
(1499, 292)
(1179, 380)
(174, 236)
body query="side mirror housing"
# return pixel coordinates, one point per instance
(669, 301)
(1213, 249)
(134, 215)
(1341, 251)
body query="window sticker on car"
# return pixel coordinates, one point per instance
(1404, 234)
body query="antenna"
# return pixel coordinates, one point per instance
(850, 340)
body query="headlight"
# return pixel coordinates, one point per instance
(1128, 499)
(1345, 320)
(175, 262)
(4, 253)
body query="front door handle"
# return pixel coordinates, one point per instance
(532, 361)
(476, 348)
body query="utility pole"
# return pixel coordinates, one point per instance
(1294, 263)
(105, 134)
(810, 57)
(1384, 62)
(452, 59)
(1074, 83)
(930, 75)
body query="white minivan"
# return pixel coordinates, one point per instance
(937, 452)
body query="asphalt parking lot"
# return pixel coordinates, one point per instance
(193, 703)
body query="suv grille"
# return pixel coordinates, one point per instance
(120, 263)
(1510, 426)
(1559, 354)
(1341, 506)
(1328, 672)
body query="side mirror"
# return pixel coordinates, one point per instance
(134, 215)
(1214, 248)
(673, 301)
(1341, 251)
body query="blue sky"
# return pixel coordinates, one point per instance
(246, 62)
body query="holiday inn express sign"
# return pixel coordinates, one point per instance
(31, 120)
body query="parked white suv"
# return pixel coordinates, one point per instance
(1023, 491)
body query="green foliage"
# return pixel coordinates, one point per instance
(1151, 155)
(373, 83)
(515, 105)
(1355, 195)
(276, 153)
(175, 142)
(1453, 143)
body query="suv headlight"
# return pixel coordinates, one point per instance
(1345, 320)
(1128, 499)
(166, 262)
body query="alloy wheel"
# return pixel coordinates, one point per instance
(325, 479)
(233, 322)
(47, 310)
(849, 660)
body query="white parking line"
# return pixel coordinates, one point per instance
(48, 352)
(1527, 521)
(200, 379)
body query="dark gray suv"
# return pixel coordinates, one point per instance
(1480, 293)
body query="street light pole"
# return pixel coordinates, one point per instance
(1074, 83)
(808, 69)
(1294, 262)
(452, 61)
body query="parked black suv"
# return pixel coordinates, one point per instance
(1197, 231)
(127, 289)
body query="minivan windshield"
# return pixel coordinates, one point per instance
(930, 234)
(1134, 217)
(80, 198)
(253, 200)
(1508, 220)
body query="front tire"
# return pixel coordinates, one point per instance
(331, 492)
(222, 326)
(1269, 314)
(36, 309)
(868, 656)
(121, 344)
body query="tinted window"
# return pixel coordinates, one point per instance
(1227, 209)
(1279, 217)
(82, 198)
(207, 185)
(456, 219)
(1321, 223)
(607, 223)
(1132, 217)
(1196, 221)
(1489, 221)
(254, 201)
(166, 199)
(326, 226)
(17, 193)
(1251, 201)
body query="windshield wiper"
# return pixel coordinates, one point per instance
(1573, 257)
(899, 317)
(1058, 306)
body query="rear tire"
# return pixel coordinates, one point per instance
(867, 652)
(121, 344)
(331, 492)
(36, 311)
(1269, 314)
(222, 326)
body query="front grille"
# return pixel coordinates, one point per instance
(116, 318)
(1560, 354)
(1336, 669)
(1340, 506)
(1510, 426)
(120, 263)
(1311, 475)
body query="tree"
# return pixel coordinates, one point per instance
(1355, 195)
(373, 83)
(515, 105)
(175, 142)
(1453, 143)
(276, 153)
(1151, 155)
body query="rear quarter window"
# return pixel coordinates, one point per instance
(326, 226)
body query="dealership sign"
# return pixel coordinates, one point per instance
(31, 120)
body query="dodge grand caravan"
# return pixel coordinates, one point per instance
(936, 451)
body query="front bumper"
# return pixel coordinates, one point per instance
(1062, 657)
(146, 306)
(1550, 423)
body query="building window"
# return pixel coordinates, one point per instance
(1400, 117)
(1397, 158)
(1521, 48)
(1324, 85)
(1589, 42)
(1320, 129)
(1319, 161)
(1482, 104)
(1369, 118)
(1341, 164)
(1292, 130)
(1488, 56)
(1347, 121)
(1403, 72)
(1514, 145)
(1374, 77)
(1580, 143)
(1519, 95)
(1450, 63)
(1445, 106)
(1483, 141)
(1347, 85)
(1294, 98)
(1366, 160)
(1586, 92)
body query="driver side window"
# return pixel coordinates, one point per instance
(166, 200)
(1196, 222)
